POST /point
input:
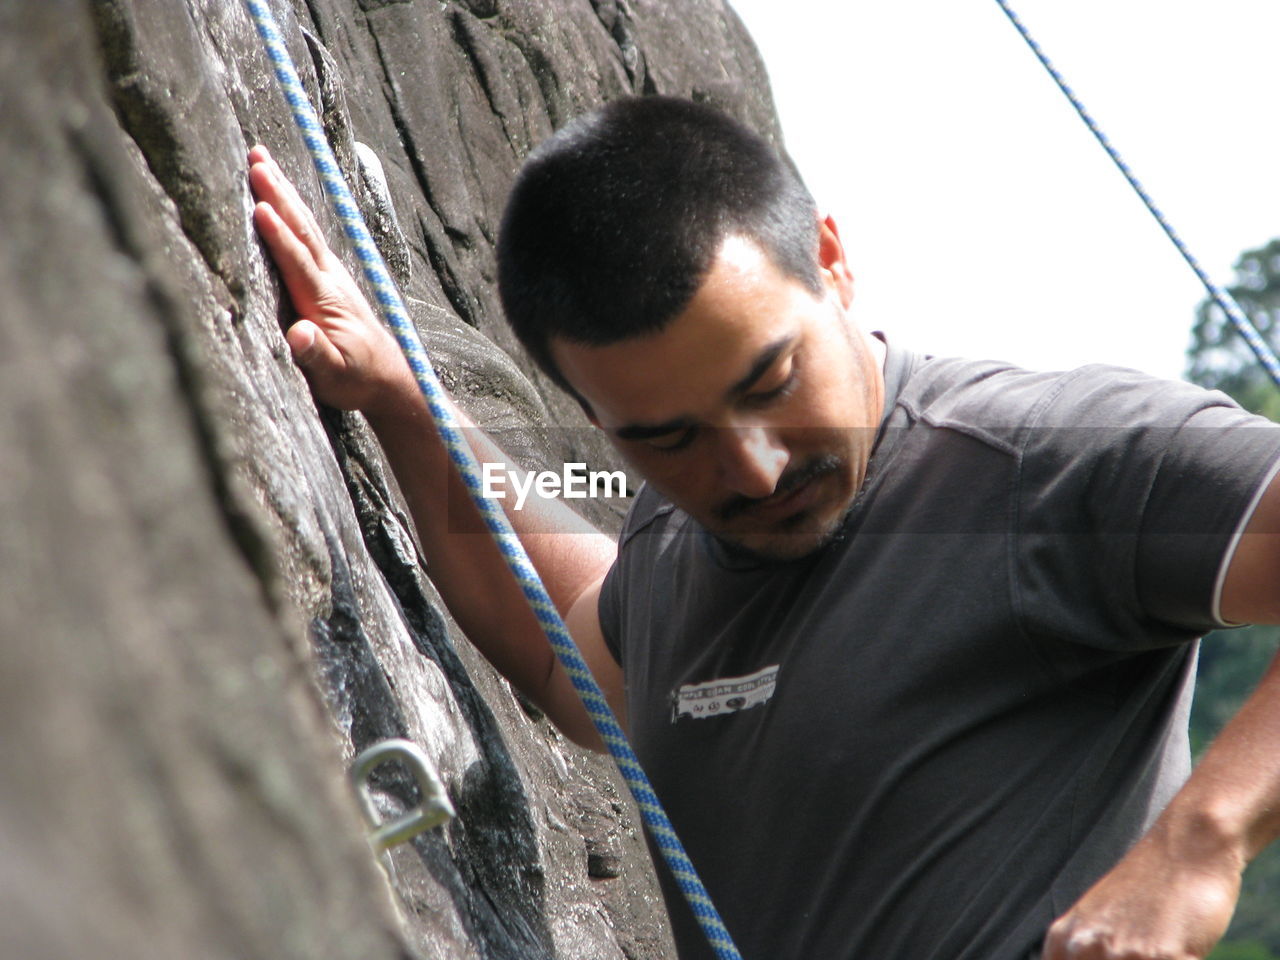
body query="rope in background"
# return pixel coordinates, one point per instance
(1227, 303)
(460, 453)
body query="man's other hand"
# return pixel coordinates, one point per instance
(1154, 905)
(350, 359)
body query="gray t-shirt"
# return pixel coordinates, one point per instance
(927, 739)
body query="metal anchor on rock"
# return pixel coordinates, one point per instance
(434, 810)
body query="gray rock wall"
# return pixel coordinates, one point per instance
(210, 597)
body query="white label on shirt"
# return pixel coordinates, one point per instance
(728, 695)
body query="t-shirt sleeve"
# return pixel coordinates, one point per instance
(1196, 508)
(1130, 492)
(609, 610)
(632, 561)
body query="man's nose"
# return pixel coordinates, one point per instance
(751, 460)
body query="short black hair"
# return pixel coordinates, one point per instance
(614, 222)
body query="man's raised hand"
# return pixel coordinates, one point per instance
(351, 360)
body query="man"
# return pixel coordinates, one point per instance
(907, 643)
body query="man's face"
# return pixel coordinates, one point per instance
(754, 410)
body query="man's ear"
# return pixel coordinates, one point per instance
(832, 262)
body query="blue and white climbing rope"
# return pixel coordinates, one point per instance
(460, 453)
(1226, 303)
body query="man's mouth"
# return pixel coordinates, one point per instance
(793, 492)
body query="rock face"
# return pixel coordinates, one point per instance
(210, 597)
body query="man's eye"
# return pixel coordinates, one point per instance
(672, 442)
(765, 397)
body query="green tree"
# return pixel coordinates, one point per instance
(1218, 356)
(1242, 950)
(1231, 661)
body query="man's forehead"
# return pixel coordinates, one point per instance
(741, 316)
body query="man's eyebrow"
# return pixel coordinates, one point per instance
(767, 357)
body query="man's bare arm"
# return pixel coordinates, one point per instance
(353, 363)
(1174, 893)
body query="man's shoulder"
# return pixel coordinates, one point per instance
(941, 388)
(1003, 399)
(988, 400)
(649, 510)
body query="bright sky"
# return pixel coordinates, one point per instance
(981, 217)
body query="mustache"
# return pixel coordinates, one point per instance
(810, 470)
